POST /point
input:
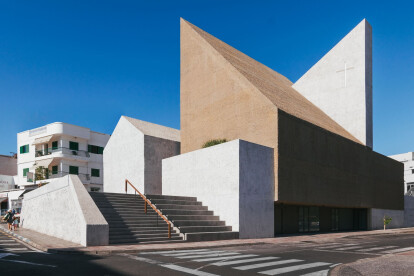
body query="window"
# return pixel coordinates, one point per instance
(25, 171)
(73, 170)
(95, 149)
(54, 145)
(24, 149)
(73, 145)
(55, 169)
(308, 219)
(95, 172)
(95, 189)
(335, 219)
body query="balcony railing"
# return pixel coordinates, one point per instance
(82, 176)
(62, 150)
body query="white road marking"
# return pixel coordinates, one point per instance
(245, 261)
(337, 246)
(282, 270)
(398, 250)
(253, 266)
(6, 241)
(208, 255)
(1, 244)
(14, 249)
(224, 258)
(318, 273)
(189, 253)
(376, 248)
(2, 255)
(150, 261)
(172, 251)
(187, 270)
(23, 262)
(349, 248)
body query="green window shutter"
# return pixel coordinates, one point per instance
(95, 172)
(73, 145)
(55, 169)
(100, 150)
(25, 171)
(89, 148)
(24, 149)
(54, 145)
(73, 170)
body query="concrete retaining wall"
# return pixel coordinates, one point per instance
(64, 209)
(234, 179)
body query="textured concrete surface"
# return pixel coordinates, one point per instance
(64, 209)
(317, 167)
(376, 218)
(408, 211)
(234, 179)
(344, 94)
(134, 152)
(8, 165)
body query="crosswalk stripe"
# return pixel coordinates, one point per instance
(398, 250)
(253, 266)
(245, 261)
(224, 258)
(1, 244)
(375, 248)
(282, 270)
(189, 253)
(318, 273)
(208, 255)
(337, 246)
(173, 251)
(349, 248)
(187, 270)
(14, 249)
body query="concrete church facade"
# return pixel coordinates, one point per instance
(326, 176)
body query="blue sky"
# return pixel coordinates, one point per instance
(89, 62)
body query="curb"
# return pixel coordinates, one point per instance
(23, 239)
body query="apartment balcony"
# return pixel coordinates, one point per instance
(80, 155)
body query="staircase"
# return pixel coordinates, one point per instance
(128, 223)
(193, 220)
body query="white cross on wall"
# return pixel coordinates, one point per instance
(344, 70)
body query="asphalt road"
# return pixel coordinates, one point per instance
(303, 258)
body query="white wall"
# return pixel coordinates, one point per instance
(64, 209)
(376, 217)
(124, 159)
(234, 179)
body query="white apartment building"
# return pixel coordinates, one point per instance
(61, 149)
(408, 160)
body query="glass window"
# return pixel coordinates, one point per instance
(95, 189)
(55, 169)
(54, 145)
(95, 172)
(308, 219)
(73, 145)
(73, 170)
(95, 149)
(335, 219)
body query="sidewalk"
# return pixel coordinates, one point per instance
(55, 245)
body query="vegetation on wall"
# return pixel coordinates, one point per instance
(213, 142)
(41, 173)
(387, 221)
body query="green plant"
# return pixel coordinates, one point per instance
(213, 142)
(41, 173)
(387, 221)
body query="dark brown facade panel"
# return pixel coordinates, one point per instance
(317, 167)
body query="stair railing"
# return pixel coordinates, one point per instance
(150, 204)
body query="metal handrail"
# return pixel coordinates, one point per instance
(150, 204)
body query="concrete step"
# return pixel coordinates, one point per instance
(192, 217)
(185, 198)
(119, 201)
(113, 195)
(142, 240)
(130, 213)
(186, 212)
(181, 207)
(137, 223)
(138, 227)
(141, 236)
(199, 223)
(211, 236)
(154, 230)
(193, 229)
(175, 202)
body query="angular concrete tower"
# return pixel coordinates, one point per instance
(340, 84)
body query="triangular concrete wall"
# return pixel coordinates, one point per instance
(340, 83)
